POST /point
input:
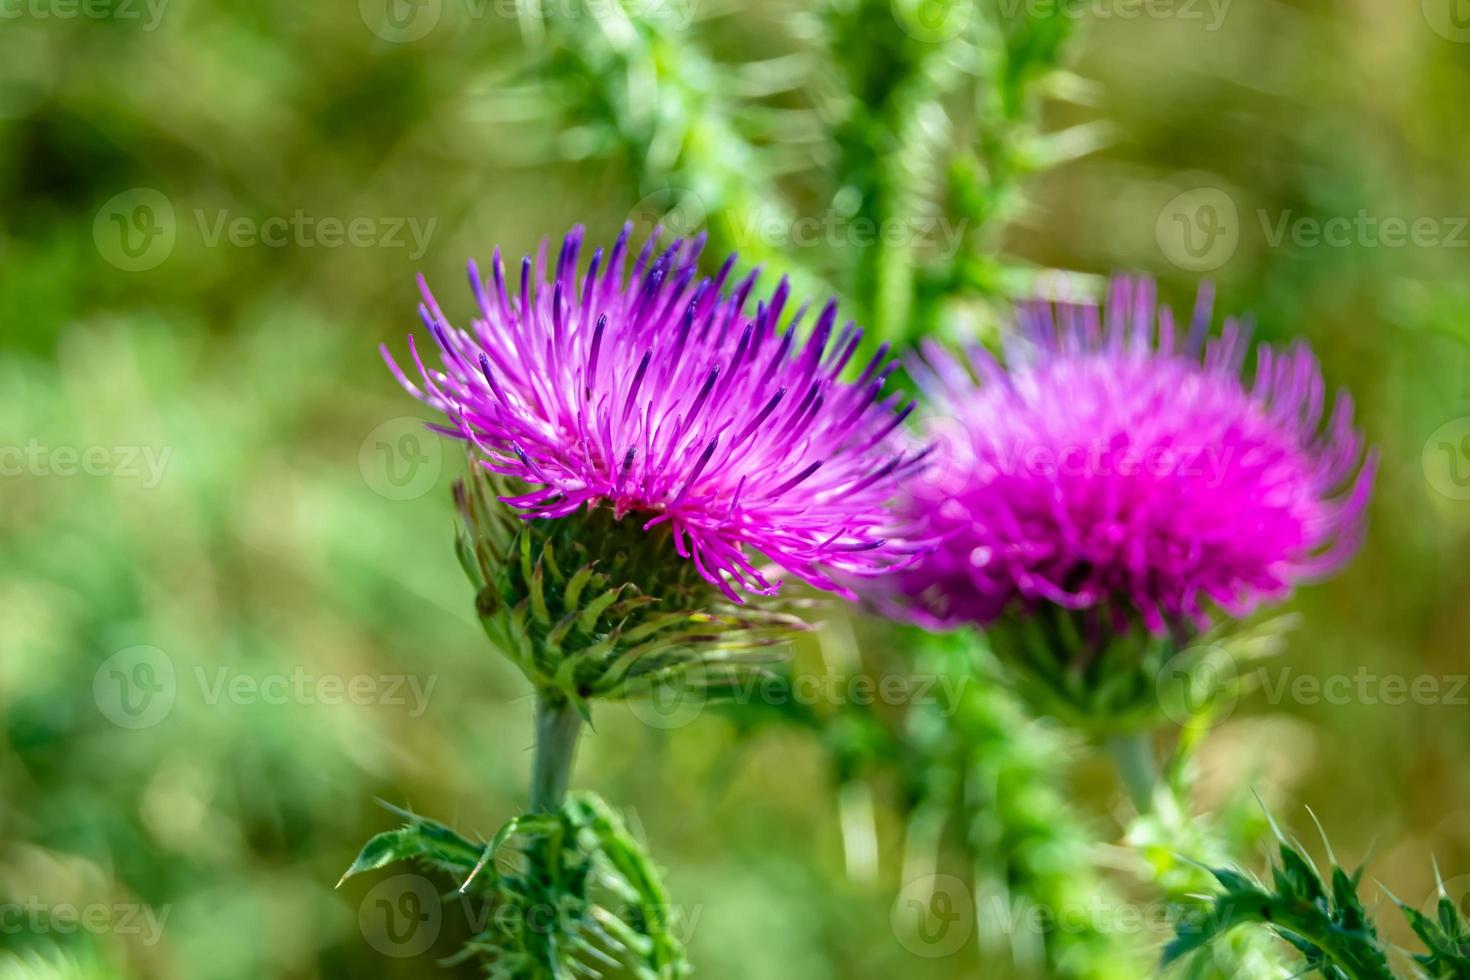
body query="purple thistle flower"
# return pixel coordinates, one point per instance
(1115, 467)
(658, 396)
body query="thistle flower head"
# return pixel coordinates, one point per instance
(1114, 466)
(658, 397)
(656, 443)
(1112, 483)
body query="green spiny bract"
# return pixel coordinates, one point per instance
(1176, 846)
(1131, 681)
(1324, 920)
(1327, 924)
(592, 606)
(1446, 936)
(555, 896)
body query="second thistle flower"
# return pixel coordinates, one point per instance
(1109, 489)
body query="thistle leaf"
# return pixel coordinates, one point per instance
(611, 909)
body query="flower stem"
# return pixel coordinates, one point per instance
(1134, 757)
(557, 728)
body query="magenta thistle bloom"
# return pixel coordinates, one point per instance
(657, 396)
(1115, 467)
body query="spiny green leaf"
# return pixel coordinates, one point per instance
(384, 849)
(1330, 929)
(611, 909)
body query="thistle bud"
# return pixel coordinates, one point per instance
(592, 606)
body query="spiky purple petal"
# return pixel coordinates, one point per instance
(1114, 467)
(656, 395)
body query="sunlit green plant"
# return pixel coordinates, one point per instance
(646, 457)
(561, 891)
(1323, 920)
(904, 118)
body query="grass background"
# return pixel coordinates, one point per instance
(273, 545)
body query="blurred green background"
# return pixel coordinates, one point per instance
(231, 616)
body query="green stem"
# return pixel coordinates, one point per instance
(1134, 757)
(557, 728)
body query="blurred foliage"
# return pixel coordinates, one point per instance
(978, 785)
(291, 536)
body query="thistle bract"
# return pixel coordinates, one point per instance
(1102, 493)
(589, 606)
